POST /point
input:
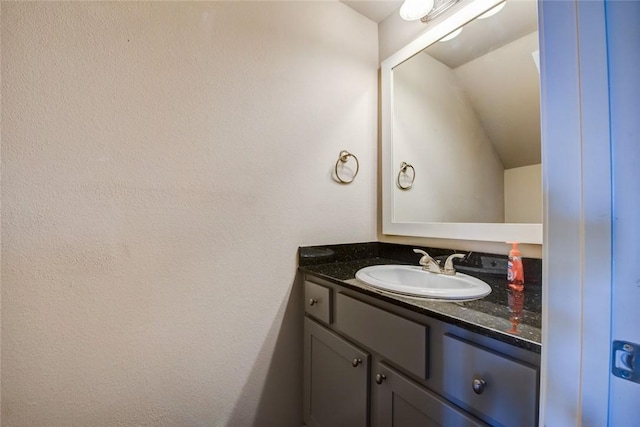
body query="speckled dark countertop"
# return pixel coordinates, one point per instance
(488, 316)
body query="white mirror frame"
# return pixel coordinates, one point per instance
(494, 232)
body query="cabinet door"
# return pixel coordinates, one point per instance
(336, 380)
(403, 403)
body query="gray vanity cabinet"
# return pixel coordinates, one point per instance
(336, 380)
(372, 364)
(402, 403)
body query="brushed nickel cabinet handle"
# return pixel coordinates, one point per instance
(356, 362)
(313, 301)
(380, 378)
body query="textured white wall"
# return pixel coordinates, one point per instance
(161, 164)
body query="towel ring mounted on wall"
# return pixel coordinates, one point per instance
(403, 171)
(344, 158)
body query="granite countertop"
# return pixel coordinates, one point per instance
(488, 316)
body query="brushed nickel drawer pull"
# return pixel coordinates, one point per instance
(478, 385)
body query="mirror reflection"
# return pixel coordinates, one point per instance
(466, 117)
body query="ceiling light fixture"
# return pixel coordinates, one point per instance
(492, 11)
(439, 7)
(412, 10)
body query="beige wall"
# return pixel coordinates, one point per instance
(161, 164)
(523, 194)
(394, 33)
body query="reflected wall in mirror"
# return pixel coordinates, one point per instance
(465, 113)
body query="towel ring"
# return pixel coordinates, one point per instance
(343, 158)
(403, 170)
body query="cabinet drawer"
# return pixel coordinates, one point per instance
(508, 395)
(318, 301)
(401, 341)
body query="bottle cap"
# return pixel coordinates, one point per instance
(514, 249)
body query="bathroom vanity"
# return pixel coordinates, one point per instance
(377, 359)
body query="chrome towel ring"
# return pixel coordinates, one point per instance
(343, 158)
(403, 171)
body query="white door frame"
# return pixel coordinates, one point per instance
(577, 218)
(623, 42)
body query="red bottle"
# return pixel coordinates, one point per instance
(515, 276)
(515, 273)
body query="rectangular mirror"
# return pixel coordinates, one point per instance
(461, 128)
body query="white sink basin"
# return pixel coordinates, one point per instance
(414, 281)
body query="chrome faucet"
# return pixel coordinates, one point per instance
(430, 264)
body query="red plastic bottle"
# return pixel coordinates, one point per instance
(515, 276)
(515, 272)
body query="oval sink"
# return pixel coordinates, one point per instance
(414, 281)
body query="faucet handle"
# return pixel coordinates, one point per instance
(426, 261)
(448, 265)
(425, 257)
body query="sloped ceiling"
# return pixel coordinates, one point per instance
(503, 87)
